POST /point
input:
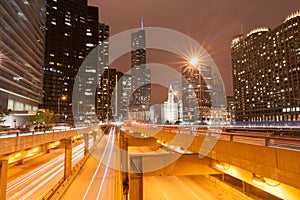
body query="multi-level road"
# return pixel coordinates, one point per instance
(97, 180)
(186, 187)
(39, 178)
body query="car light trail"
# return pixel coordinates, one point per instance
(98, 167)
(33, 181)
(110, 141)
(108, 163)
(28, 176)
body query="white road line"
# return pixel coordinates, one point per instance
(166, 196)
(98, 167)
(107, 166)
(196, 196)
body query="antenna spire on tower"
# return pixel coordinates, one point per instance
(142, 23)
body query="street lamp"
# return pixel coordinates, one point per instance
(58, 103)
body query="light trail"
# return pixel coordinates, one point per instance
(37, 171)
(97, 169)
(35, 180)
(108, 163)
(32, 187)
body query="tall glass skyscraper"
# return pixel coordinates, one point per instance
(22, 32)
(140, 76)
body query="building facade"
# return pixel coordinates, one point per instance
(196, 94)
(170, 108)
(65, 50)
(266, 73)
(126, 87)
(140, 76)
(22, 28)
(109, 95)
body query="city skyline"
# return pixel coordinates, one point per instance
(213, 25)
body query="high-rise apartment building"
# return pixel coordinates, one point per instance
(140, 76)
(266, 73)
(22, 30)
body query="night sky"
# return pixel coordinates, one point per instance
(212, 23)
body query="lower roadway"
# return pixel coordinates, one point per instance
(188, 188)
(96, 180)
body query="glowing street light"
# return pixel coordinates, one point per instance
(58, 103)
(194, 61)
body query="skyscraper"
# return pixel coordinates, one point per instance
(66, 23)
(141, 91)
(266, 73)
(126, 86)
(107, 105)
(103, 41)
(103, 98)
(196, 94)
(22, 30)
(89, 79)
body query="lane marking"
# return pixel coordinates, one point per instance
(196, 196)
(95, 173)
(108, 163)
(166, 196)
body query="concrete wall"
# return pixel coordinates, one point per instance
(282, 165)
(10, 145)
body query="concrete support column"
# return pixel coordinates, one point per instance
(68, 158)
(124, 165)
(86, 143)
(94, 136)
(136, 178)
(3, 179)
(20, 162)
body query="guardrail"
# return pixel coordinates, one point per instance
(10, 134)
(62, 185)
(263, 139)
(256, 138)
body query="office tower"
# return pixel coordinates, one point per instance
(177, 91)
(84, 106)
(103, 41)
(196, 94)
(141, 91)
(266, 73)
(66, 23)
(107, 105)
(22, 42)
(126, 87)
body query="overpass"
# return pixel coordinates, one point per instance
(174, 151)
(270, 161)
(18, 146)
